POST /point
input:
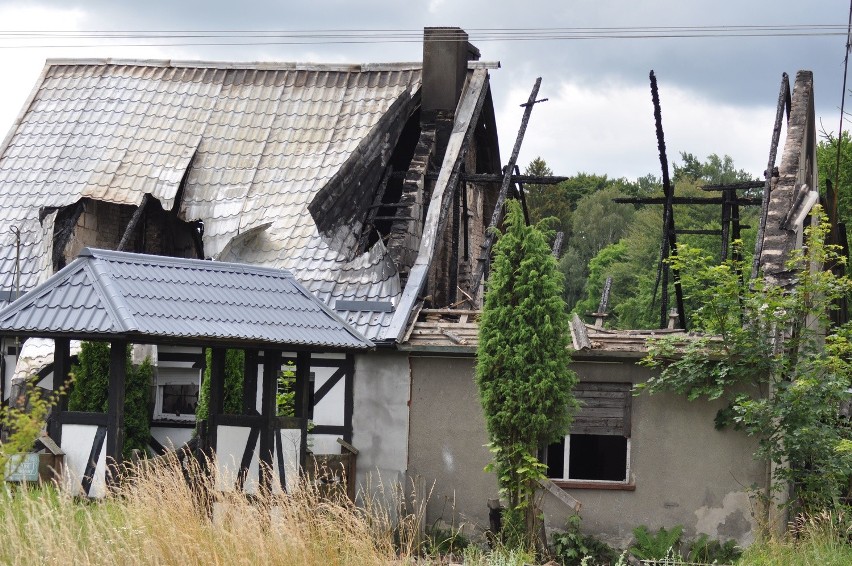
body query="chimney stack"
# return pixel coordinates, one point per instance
(446, 52)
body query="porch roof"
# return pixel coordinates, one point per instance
(110, 295)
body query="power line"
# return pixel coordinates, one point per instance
(163, 38)
(843, 98)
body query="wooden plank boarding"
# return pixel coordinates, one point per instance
(560, 494)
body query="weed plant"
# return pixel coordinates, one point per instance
(159, 517)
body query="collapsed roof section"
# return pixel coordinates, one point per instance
(285, 166)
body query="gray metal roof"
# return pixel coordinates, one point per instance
(259, 142)
(107, 293)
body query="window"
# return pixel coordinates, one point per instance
(177, 393)
(598, 446)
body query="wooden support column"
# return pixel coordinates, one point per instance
(348, 397)
(61, 368)
(303, 399)
(216, 405)
(250, 382)
(268, 409)
(115, 407)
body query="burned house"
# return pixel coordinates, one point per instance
(354, 178)
(627, 460)
(374, 186)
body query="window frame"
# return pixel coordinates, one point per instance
(623, 389)
(174, 376)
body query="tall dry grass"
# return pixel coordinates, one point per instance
(822, 539)
(170, 513)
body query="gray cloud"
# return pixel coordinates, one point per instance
(743, 72)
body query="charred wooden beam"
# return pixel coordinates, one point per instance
(744, 201)
(669, 238)
(704, 232)
(134, 221)
(784, 101)
(497, 216)
(497, 178)
(63, 228)
(523, 197)
(745, 185)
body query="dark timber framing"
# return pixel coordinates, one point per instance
(115, 407)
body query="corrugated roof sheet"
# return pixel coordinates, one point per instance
(106, 293)
(262, 140)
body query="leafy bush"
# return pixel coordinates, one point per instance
(708, 551)
(656, 546)
(573, 548)
(784, 373)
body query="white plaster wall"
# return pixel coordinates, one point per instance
(171, 437)
(380, 418)
(77, 445)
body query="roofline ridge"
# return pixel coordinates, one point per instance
(113, 255)
(239, 65)
(329, 311)
(112, 299)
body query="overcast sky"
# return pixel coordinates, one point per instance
(718, 94)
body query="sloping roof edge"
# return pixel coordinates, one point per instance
(123, 322)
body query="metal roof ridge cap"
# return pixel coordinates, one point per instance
(112, 299)
(187, 262)
(258, 65)
(336, 317)
(39, 291)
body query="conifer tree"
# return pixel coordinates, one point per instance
(522, 372)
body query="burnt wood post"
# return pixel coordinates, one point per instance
(250, 382)
(216, 405)
(669, 243)
(303, 399)
(115, 407)
(61, 368)
(271, 370)
(497, 216)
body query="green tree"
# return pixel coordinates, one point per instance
(234, 375)
(91, 389)
(827, 167)
(714, 171)
(522, 365)
(633, 302)
(91, 384)
(597, 223)
(773, 356)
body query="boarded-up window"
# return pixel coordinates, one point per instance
(598, 446)
(604, 409)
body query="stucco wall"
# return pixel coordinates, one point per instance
(380, 417)
(447, 438)
(684, 471)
